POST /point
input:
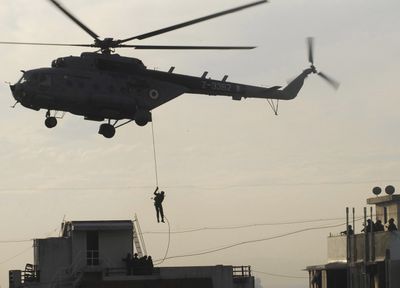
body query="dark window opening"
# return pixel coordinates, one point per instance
(92, 248)
(58, 63)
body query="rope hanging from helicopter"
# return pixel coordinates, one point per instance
(154, 153)
(156, 176)
(160, 261)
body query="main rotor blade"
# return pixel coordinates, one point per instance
(45, 44)
(332, 82)
(175, 47)
(73, 18)
(310, 44)
(191, 22)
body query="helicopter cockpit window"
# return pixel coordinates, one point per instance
(28, 78)
(58, 63)
(44, 80)
(22, 80)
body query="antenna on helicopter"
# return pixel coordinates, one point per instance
(332, 82)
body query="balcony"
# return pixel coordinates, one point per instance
(377, 243)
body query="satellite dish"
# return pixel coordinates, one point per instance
(389, 190)
(377, 190)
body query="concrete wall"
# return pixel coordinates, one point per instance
(221, 275)
(113, 246)
(336, 249)
(249, 283)
(394, 245)
(382, 241)
(392, 204)
(55, 259)
(392, 211)
(394, 268)
(78, 250)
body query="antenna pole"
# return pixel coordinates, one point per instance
(348, 247)
(365, 248)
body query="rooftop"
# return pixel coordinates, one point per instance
(383, 199)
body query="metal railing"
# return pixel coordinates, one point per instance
(241, 271)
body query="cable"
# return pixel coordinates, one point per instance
(280, 275)
(220, 187)
(212, 228)
(16, 255)
(255, 241)
(26, 240)
(15, 241)
(169, 241)
(154, 153)
(244, 226)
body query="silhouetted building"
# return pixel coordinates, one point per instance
(365, 260)
(98, 254)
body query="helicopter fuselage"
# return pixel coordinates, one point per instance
(112, 87)
(102, 87)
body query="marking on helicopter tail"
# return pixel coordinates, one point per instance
(216, 86)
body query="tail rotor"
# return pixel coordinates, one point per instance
(294, 87)
(312, 69)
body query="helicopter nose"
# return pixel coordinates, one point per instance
(16, 91)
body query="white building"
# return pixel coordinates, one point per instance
(92, 253)
(365, 260)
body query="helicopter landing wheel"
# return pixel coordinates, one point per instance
(107, 130)
(50, 122)
(142, 117)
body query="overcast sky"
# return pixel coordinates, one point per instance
(222, 163)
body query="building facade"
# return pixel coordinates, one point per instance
(370, 259)
(101, 254)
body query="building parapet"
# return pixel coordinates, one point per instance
(377, 245)
(383, 199)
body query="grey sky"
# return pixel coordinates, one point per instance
(221, 162)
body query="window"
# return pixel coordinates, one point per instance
(58, 63)
(22, 80)
(92, 248)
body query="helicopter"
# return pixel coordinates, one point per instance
(104, 86)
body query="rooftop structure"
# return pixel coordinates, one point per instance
(111, 254)
(370, 259)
